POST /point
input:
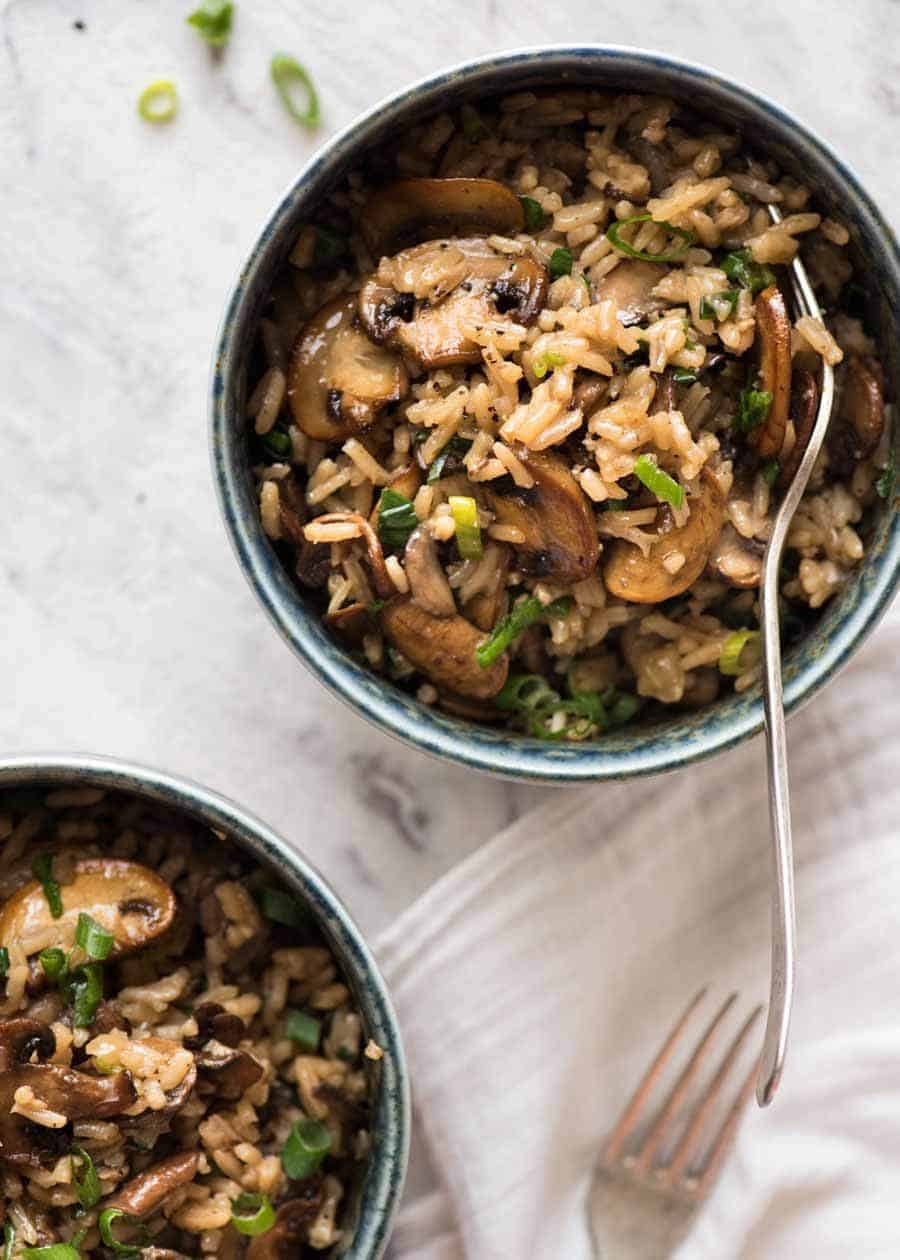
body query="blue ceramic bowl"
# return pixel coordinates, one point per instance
(670, 743)
(377, 1198)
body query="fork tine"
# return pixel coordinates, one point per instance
(720, 1147)
(687, 1144)
(657, 1134)
(627, 1120)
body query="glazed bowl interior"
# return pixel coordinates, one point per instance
(373, 1202)
(648, 747)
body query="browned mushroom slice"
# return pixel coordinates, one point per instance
(417, 209)
(425, 300)
(374, 551)
(738, 561)
(773, 336)
(214, 1023)
(284, 1240)
(859, 422)
(351, 623)
(428, 583)
(630, 285)
(338, 381)
(555, 517)
(230, 1071)
(804, 402)
(647, 579)
(442, 648)
(487, 607)
(144, 1193)
(664, 398)
(471, 710)
(125, 898)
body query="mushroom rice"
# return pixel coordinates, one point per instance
(182, 1067)
(527, 391)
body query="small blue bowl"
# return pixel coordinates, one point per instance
(379, 1195)
(646, 749)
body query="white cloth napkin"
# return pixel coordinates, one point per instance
(535, 981)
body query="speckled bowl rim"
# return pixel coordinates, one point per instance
(386, 1173)
(683, 739)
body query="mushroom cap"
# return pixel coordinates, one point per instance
(773, 336)
(630, 285)
(804, 404)
(144, 1193)
(737, 560)
(859, 422)
(416, 209)
(442, 648)
(428, 582)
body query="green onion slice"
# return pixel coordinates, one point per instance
(560, 262)
(277, 442)
(280, 907)
(213, 21)
(93, 937)
(587, 710)
(105, 1224)
(544, 362)
(307, 1145)
(753, 407)
(42, 870)
(684, 376)
(252, 1214)
(53, 962)
(158, 103)
(887, 478)
(457, 446)
(511, 626)
(743, 270)
(614, 235)
(464, 510)
(56, 1251)
(85, 1179)
(288, 75)
(85, 993)
(658, 482)
(305, 1029)
(4, 961)
(770, 471)
(730, 656)
(396, 519)
(522, 693)
(9, 1240)
(534, 215)
(720, 306)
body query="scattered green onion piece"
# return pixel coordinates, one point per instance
(742, 269)
(252, 1214)
(534, 215)
(753, 407)
(56, 1251)
(280, 907)
(85, 988)
(53, 962)
(9, 1240)
(560, 262)
(544, 362)
(396, 519)
(158, 103)
(887, 478)
(328, 246)
(730, 656)
(305, 1029)
(472, 125)
(521, 693)
(455, 446)
(684, 376)
(4, 961)
(86, 1182)
(105, 1224)
(277, 442)
(464, 510)
(375, 606)
(286, 74)
(623, 708)
(93, 937)
(770, 471)
(719, 306)
(42, 870)
(658, 482)
(511, 626)
(587, 708)
(614, 505)
(213, 21)
(613, 234)
(307, 1145)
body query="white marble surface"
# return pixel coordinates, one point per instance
(126, 626)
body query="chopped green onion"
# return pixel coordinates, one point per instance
(534, 215)
(472, 125)
(85, 987)
(511, 626)
(623, 709)
(328, 246)
(730, 656)
(9, 1240)
(887, 479)
(396, 519)
(158, 103)
(86, 1182)
(587, 708)
(307, 1145)
(561, 262)
(544, 362)
(375, 606)
(521, 693)
(614, 505)
(93, 937)
(42, 870)
(53, 962)
(719, 306)
(456, 446)
(56, 1251)
(684, 376)
(464, 510)
(770, 471)
(614, 235)
(742, 269)
(753, 407)
(252, 1214)
(658, 482)
(287, 73)
(105, 1223)
(213, 21)
(4, 961)
(277, 442)
(305, 1029)
(280, 907)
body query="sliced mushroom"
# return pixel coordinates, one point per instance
(313, 562)
(418, 209)
(773, 337)
(144, 1193)
(292, 1222)
(215, 1023)
(644, 579)
(555, 517)
(442, 648)
(804, 403)
(338, 380)
(589, 394)
(230, 1071)
(127, 899)
(425, 300)
(471, 710)
(351, 623)
(374, 551)
(664, 398)
(859, 423)
(427, 580)
(487, 607)
(630, 285)
(145, 1128)
(737, 560)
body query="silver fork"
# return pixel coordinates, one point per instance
(642, 1201)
